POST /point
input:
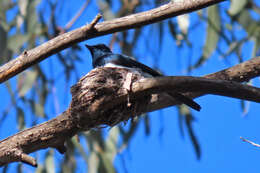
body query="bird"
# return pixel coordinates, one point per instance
(102, 56)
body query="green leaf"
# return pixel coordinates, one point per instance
(256, 49)
(189, 119)
(111, 143)
(212, 37)
(106, 10)
(4, 6)
(3, 42)
(39, 109)
(80, 148)
(39, 169)
(184, 111)
(147, 125)
(20, 118)
(32, 24)
(23, 12)
(106, 164)
(249, 24)
(172, 29)
(49, 162)
(16, 41)
(236, 6)
(127, 135)
(93, 162)
(26, 81)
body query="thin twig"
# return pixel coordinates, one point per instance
(79, 13)
(250, 142)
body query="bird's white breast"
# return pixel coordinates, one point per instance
(132, 69)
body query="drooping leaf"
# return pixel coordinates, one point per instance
(32, 24)
(111, 143)
(213, 29)
(147, 124)
(39, 109)
(172, 27)
(39, 169)
(106, 164)
(160, 36)
(26, 81)
(104, 7)
(3, 43)
(184, 111)
(23, 12)
(194, 140)
(16, 41)
(79, 147)
(236, 6)
(93, 162)
(69, 163)
(49, 162)
(128, 134)
(256, 49)
(251, 26)
(20, 118)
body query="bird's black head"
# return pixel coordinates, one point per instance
(98, 50)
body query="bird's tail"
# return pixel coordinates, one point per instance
(186, 100)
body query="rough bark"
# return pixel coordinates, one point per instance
(108, 96)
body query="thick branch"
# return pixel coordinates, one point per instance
(242, 72)
(91, 107)
(195, 84)
(33, 56)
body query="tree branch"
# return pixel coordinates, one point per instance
(91, 106)
(33, 56)
(242, 72)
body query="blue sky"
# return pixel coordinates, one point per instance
(218, 126)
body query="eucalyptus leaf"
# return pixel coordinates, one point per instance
(236, 6)
(251, 26)
(39, 109)
(93, 162)
(49, 162)
(26, 80)
(106, 164)
(20, 118)
(212, 37)
(106, 10)
(22, 4)
(3, 42)
(16, 41)
(111, 143)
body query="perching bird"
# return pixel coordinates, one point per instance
(102, 56)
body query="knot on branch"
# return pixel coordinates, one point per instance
(101, 98)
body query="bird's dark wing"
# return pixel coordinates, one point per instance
(129, 62)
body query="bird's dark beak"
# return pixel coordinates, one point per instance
(90, 48)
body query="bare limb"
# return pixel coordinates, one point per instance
(66, 40)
